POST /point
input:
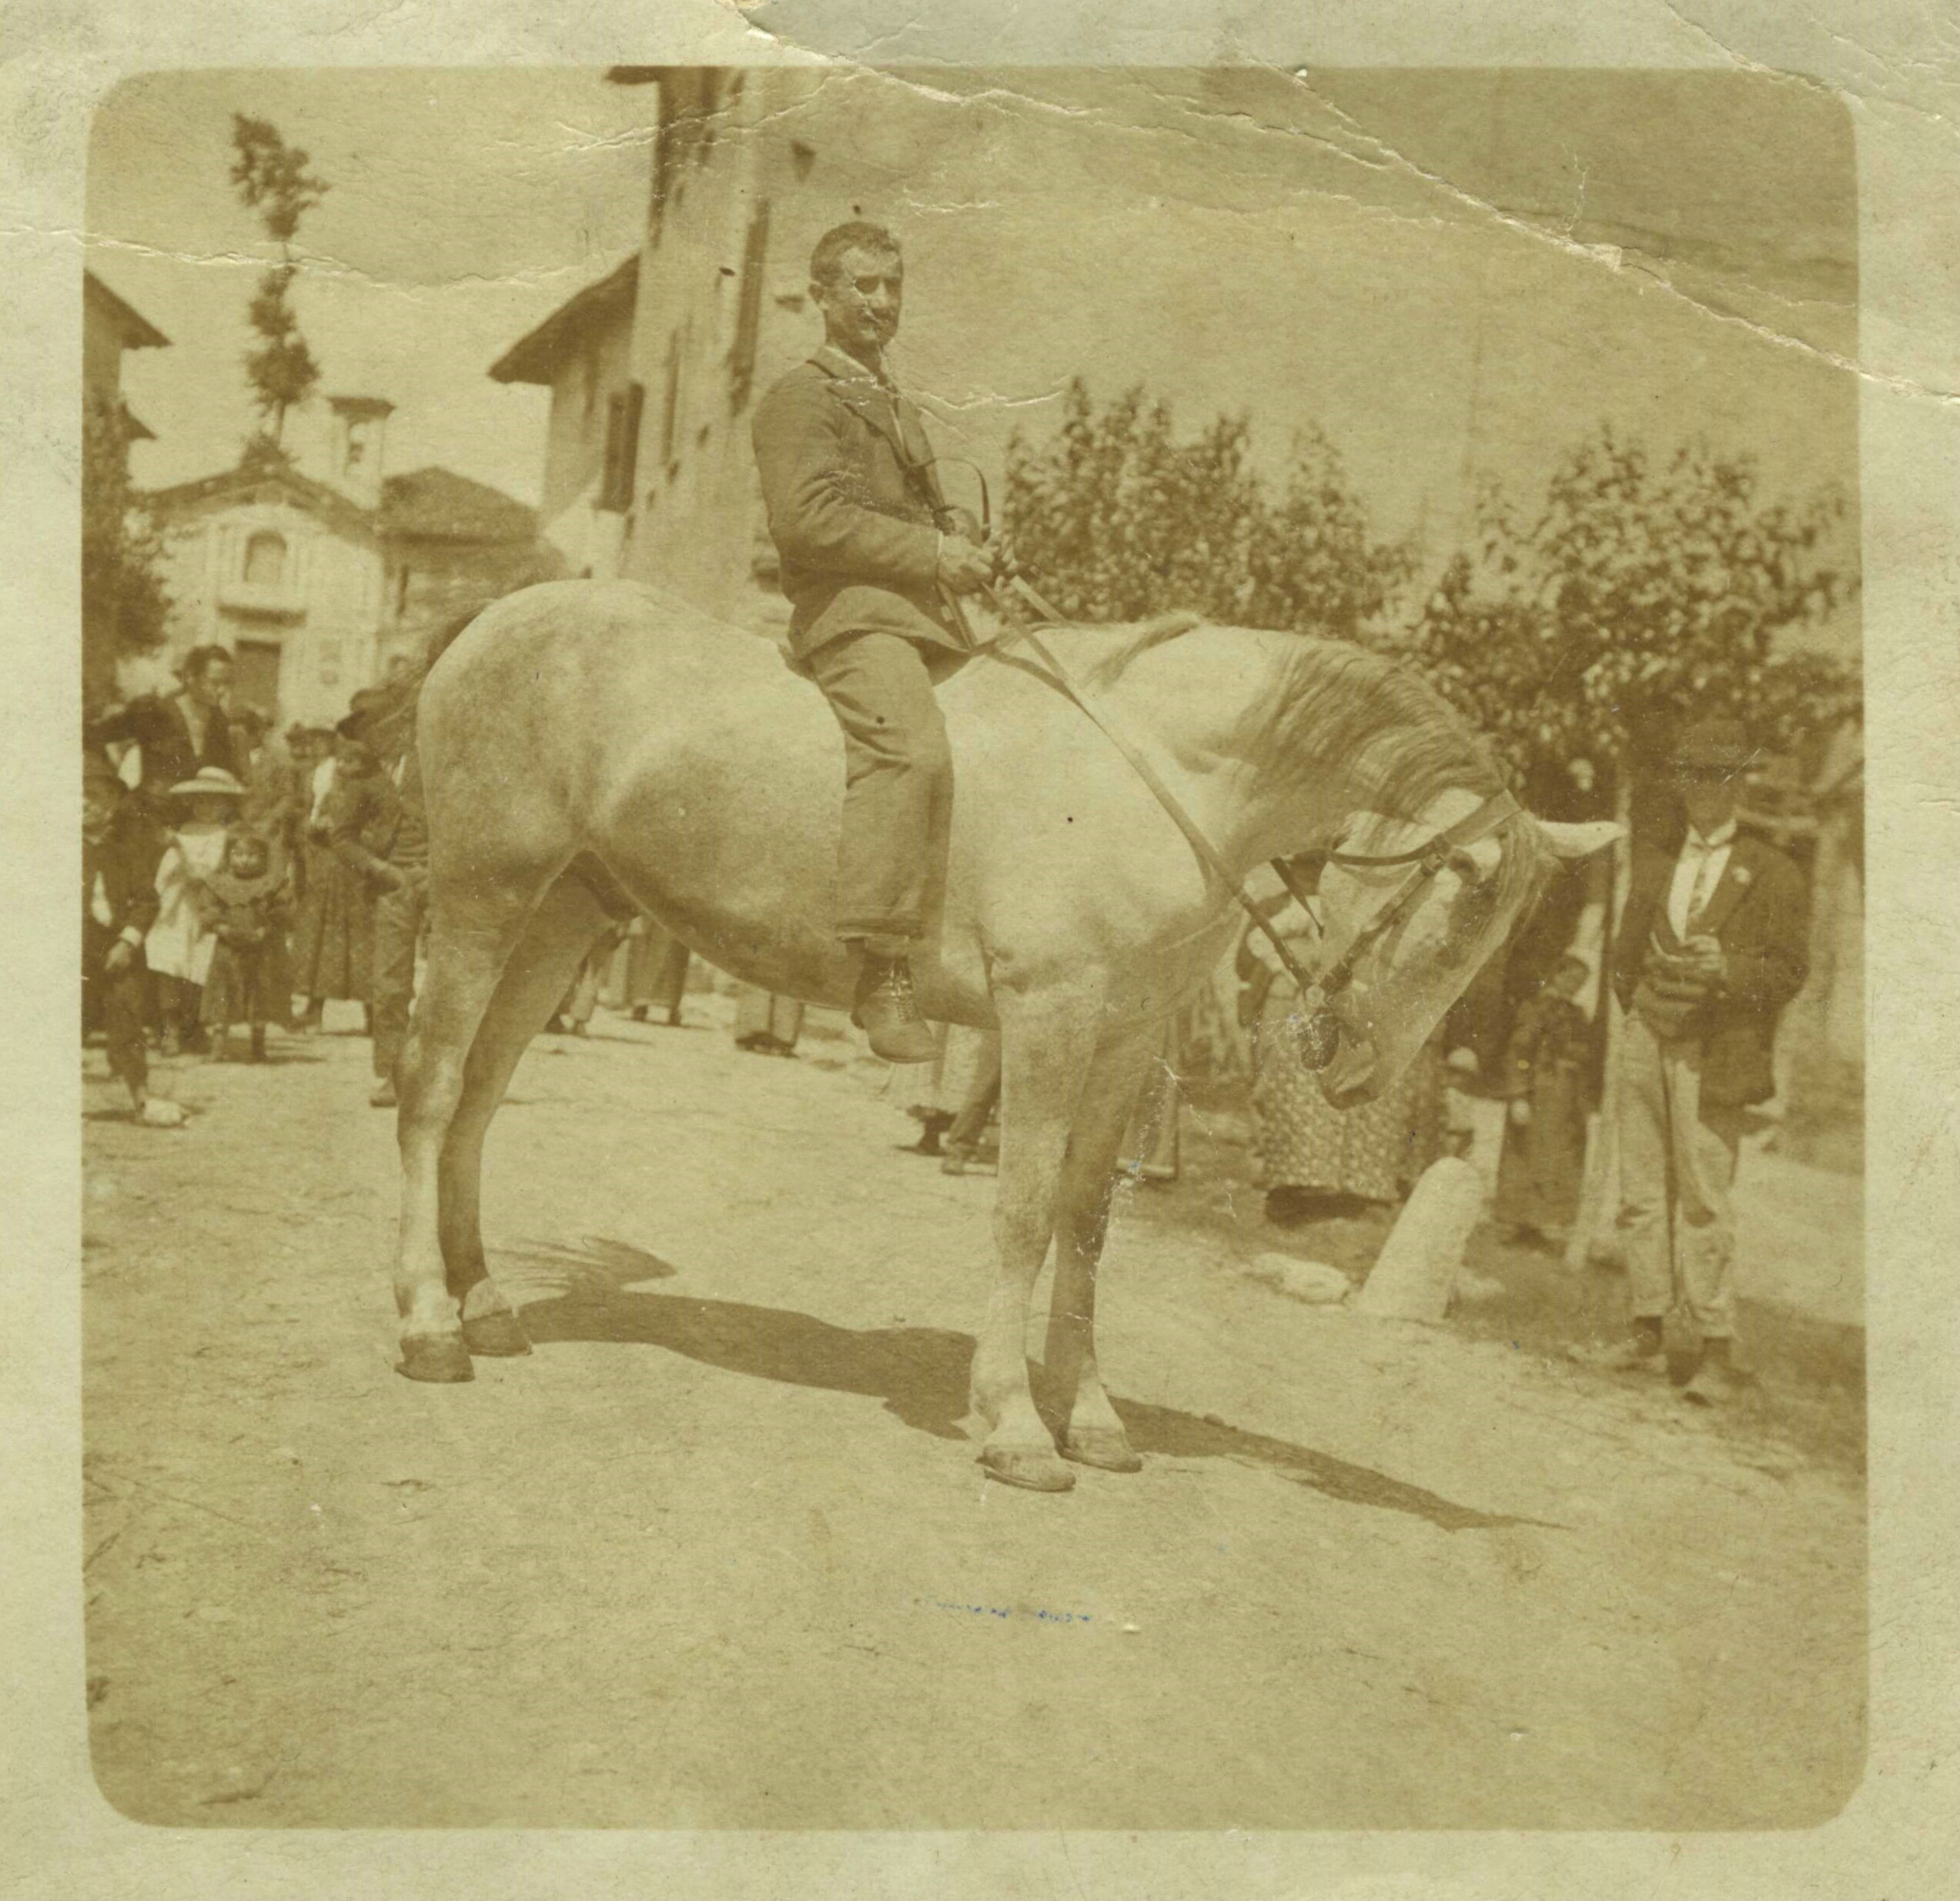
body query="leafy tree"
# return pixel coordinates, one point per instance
(125, 607)
(272, 180)
(1644, 590)
(1115, 519)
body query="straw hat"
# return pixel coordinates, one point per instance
(211, 782)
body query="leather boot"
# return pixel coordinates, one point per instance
(886, 1011)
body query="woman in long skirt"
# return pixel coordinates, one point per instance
(333, 936)
(647, 974)
(1310, 1155)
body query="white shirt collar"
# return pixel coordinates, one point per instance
(1723, 834)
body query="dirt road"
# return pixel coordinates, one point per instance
(717, 1554)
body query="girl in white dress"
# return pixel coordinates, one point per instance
(178, 946)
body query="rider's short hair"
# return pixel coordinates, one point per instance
(857, 236)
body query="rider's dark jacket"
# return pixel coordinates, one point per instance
(855, 507)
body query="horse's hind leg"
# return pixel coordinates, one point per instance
(471, 933)
(1091, 1434)
(1047, 1043)
(561, 930)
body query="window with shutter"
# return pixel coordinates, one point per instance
(748, 313)
(623, 412)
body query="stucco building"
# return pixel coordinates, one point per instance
(316, 572)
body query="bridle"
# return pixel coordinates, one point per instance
(1317, 1029)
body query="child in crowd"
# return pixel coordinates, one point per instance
(179, 944)
(244, 907)
(1544, 1078)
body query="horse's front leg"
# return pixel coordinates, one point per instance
(1047, 1043)
(1091, 1434)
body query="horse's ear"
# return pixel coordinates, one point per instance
(1580, 841)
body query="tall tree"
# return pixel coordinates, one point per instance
(1642, 589)
(272, 180)
(124, 604)
(1117, 518)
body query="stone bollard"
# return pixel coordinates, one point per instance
(1417, 1267)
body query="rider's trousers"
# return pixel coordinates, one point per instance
(897, 783)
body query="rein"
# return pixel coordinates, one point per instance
(1318, 1032)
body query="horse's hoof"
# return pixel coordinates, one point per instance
(1033, 1468)
(499, 1335)
(1107, 1451)
(440, 1358)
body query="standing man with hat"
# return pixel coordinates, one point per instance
(1712, 947)
(872, 561)
(379, 833)
(119, 906)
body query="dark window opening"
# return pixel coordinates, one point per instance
(749, 312)
(622, 448)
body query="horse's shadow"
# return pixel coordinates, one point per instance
(919, 1373)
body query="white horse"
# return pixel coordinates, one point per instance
(585, 746)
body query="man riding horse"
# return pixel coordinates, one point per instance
(873, 562)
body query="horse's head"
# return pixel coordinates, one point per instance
(1403, 940)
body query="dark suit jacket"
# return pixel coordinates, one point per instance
(378, 827)
(1758, 915)
(125, 858)
(161, 728)
(854, 508)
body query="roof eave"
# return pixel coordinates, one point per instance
(534, 357)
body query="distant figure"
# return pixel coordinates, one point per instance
(961, 1143)
(1712, 947)
(179, 734)
(179, 945)
(333, 939)
(1544, 1083)
(118, 905)
(245, 910)
(648, 973)
(379, 834)
(765, 1025)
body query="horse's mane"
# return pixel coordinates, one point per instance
(1334, 711)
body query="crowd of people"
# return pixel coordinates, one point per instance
(235, 880)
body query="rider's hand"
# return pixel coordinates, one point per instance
(963, 568)
(1520, 1113)
(1005, 566)
(120, 954)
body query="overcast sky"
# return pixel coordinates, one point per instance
(464, 208)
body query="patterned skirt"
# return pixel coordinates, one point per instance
(1376, 1151)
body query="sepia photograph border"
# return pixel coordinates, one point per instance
(58, 1836)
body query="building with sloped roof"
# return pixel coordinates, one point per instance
(321, 573)
(109, 326)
